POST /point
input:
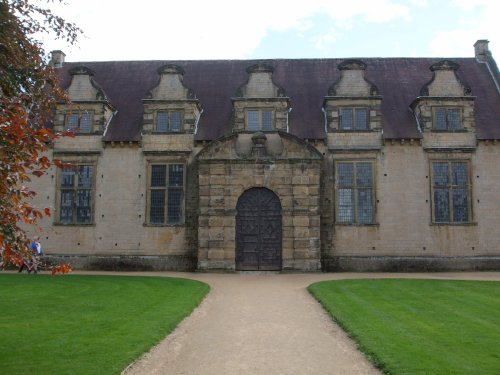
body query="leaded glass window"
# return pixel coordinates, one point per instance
(80, 122)
(76, 187)
(168, 121)
(447, 118)
(451, 192)
(354, 119)
(260, 120)
(166, 194)
(354, 186)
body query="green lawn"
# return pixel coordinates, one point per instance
(87, 324)
(419, 326)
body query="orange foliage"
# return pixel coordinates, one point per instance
(29, 92)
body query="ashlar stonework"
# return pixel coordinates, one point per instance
(277, 165)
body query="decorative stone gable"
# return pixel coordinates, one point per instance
(260, 83)
(444, 111)
(352, 80)
(259, 104)
(445, 81)
(353, 117)
(171, 112)
(170, 85)
(83, 87)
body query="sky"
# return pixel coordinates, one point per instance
(258, 29)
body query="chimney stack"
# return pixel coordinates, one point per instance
(57, 58)
(481, 50)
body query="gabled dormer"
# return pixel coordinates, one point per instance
(352, 109)
(170, 107)
(444, 110)
(89, 110)
(259, 104)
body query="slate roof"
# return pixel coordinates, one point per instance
(305, 81)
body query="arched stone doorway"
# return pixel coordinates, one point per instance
(258, 231)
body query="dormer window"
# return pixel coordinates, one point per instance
(170, 107)
(260, 104)
(353, 118)
(80, 122)
(260, 120)
(89, 110)
(447, 118)
(168, 121)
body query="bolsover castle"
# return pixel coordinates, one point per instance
(313, 164)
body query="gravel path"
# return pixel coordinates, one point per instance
(263, 324)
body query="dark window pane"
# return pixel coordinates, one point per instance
(361, 119)
(176, 175)
(459, 174)
(72, 122)
(365, 206)
(346, 206)
(454, 119)
(441, 205)
(68, 177)
(175, 121)
(364, 175)
(460, 205)
(161, 121)
(83, 209)
(67, 198)
(345, 174)
(346, 119)
(85, 173)
(86, 122)
(440, 119)
(253, 120)
(158, 175)
(267, 120)
(174, 205)
(440, 174)
(84, 197)
(157, 207)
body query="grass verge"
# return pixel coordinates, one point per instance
(87, 324)
(408, 326)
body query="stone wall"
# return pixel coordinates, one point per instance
(403, 236)
(224, 177)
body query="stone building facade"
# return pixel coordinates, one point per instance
(306, 165)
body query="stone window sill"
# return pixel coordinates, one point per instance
(467, 224)
(163, 225)
(357, 225)
(73, 224)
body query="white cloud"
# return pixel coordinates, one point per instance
(323, 41)
(419, 3)
(156, 29)
(478, 20)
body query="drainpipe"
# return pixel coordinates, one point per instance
(416, 119)
(197, 120)
(287, 113)
(113, 114)
(326, 121)
(491, 73)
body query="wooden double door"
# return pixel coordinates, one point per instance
(258, 231)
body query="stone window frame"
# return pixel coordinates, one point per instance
(354, 117)
(75, 163)
(449, 188)
(261, 111)
(355, 220)
(169, 129)
(150, 188)
(448, 108)
(80, 112)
